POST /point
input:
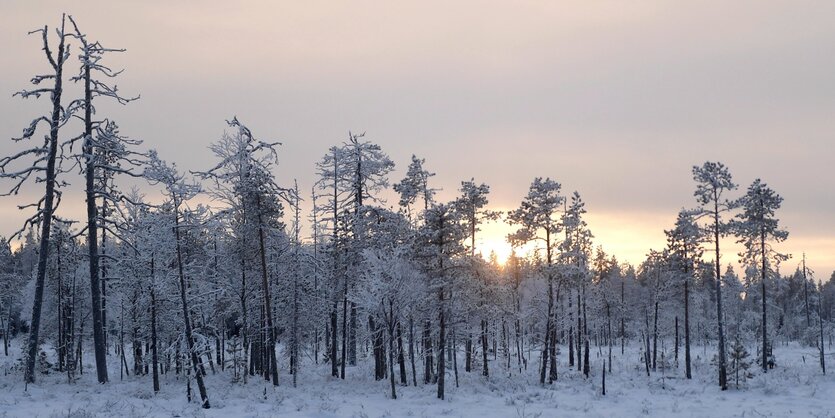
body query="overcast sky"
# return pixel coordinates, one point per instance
(617, 100)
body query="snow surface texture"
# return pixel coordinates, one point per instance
(795, 388)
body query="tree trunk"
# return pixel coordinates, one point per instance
(655, 336)
(485, 371)
(333, 344)
(427, 353)
(765, 323)
(687, 370)
(412, 349)
(441, 344)
(723, 373)
(401, 361)
(186, 320)
(154, 348)
(92, 233)
(344, 331)
(267, 299)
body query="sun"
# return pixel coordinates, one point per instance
(489, 247)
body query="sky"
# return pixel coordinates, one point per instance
(617, 100)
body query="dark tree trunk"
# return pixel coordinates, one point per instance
(677, 341)
(687, 370)
(333, 343)
(265, 284)
(99, 346)
(655, 337)
(579, 339)
(391, 361)
(412, 349)
(344, 332)
(401, 361)
(622, 319)
(427, 353)
(723, 372)
(485, 371)
(154, 352)
(586, 365)
(441, 344)
(186, 320)
(468, 355)
(352, 336)
(765, 323)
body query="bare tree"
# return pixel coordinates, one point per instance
(45, 166)
(101, 157)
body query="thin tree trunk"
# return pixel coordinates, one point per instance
(92, 232)
(154, 348)
(765, 323)
(441, 344)
(687, 370)
(267, 299)
(401, 361)
(655, 336)
(412, 349)
(723, 373)
(186, 320)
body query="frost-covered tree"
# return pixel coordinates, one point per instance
(43, 163)
(756, 227)
(471, 205)
(243, 180)
(104, 154)
(713, 181)
(414, 185)
(537, 220)
(440, 246)
(178, 191)
(575, 251)
(684, 249)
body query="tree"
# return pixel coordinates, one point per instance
(685, 251)
(574, 255)
(102, 157)
(366, 169)
(537, 220)
(739, 362)
(44, 168)
(439, 244)
(471, 205)
(755, 227)
(713, 180)
(414, 185)
(243, 179)
(179, 191)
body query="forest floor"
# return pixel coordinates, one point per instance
(795, 388)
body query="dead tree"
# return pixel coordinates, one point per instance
(42, 162)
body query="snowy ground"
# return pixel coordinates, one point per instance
(796, 388)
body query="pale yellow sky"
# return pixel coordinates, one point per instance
(614, 99)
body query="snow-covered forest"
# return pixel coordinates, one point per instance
(214, 291)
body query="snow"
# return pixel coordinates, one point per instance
(795, 388)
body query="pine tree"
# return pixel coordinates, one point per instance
(685, 251)
(537, 221)
(739, 362)
(712, 181)
(755, 227)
